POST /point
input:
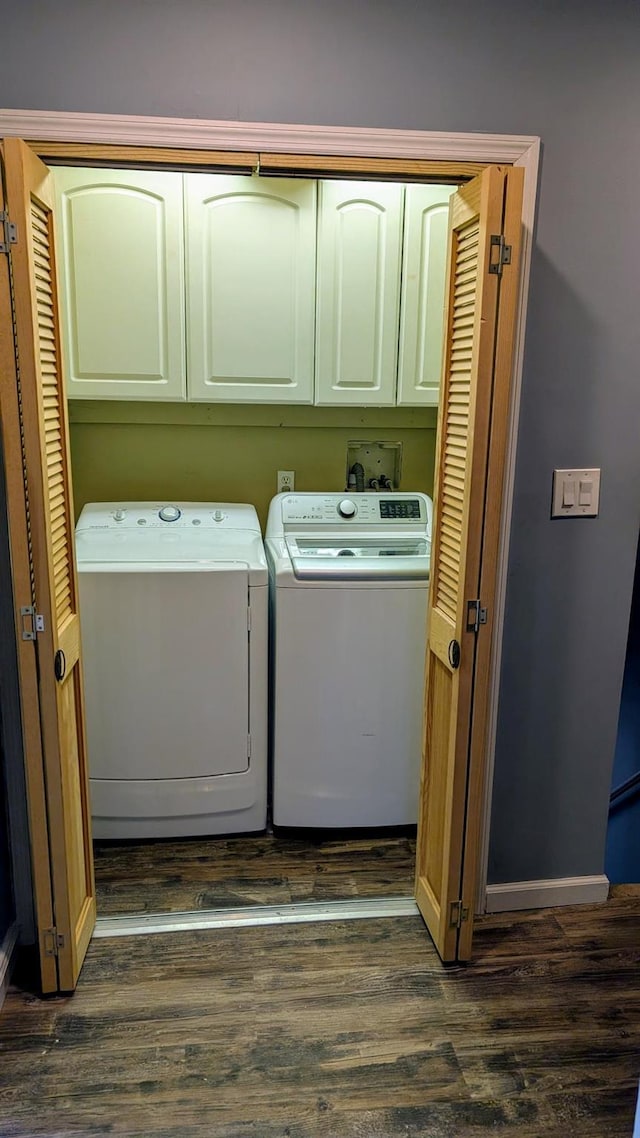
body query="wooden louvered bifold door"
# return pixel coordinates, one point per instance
(469, 453)
(45, 442)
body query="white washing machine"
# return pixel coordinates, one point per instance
(174, 618)
(349, 578)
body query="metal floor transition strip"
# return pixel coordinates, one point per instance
(140, 924)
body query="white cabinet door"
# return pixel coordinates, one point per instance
(250, 288)
(359, 247)
(423, 294)
(121, 278)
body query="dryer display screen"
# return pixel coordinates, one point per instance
(394, 508)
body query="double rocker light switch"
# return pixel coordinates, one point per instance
(576, 493)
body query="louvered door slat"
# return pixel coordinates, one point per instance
(452, 553)
(58, 529)
(51, 380)
(58, 545)
(450, 538)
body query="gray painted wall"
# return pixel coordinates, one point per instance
(8, 688)
(568, 72)
(7, 907)
(16, 887)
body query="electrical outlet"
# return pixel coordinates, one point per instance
(286, 481)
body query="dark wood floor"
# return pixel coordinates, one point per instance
(346, 1030)
(220, 873)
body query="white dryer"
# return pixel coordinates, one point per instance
(349, 580)
(174, 613)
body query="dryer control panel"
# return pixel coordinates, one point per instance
(167, 516)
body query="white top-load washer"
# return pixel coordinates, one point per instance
(349, 578)
(174, 615)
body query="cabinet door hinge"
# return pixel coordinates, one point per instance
(36, 622)
(496, 264)
(476, 615)
(8, 232)
(458, 914)
(248, 746)
(249, 618)
(53, 941)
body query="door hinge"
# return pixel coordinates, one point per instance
(36, 622)
(496, 264)
(8, 232)
(458, 914)
(53, 941)
(476, 615)
(248, 746)
(249, 618)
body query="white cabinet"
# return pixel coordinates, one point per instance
(121, 278)
(422, 300)
(359, 255)
(204, 287)
(250, 288)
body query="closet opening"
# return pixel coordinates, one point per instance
(482, 313)
(179, 346)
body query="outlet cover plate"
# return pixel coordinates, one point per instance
(286, 481)
(576, 493)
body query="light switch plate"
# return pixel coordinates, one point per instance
(576, 493)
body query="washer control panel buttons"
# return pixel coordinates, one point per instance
(400, 508)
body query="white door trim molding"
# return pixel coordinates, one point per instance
(546, 894)
(198, 134)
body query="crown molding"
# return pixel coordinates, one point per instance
(195, 134)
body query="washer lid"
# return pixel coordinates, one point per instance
(349, 557)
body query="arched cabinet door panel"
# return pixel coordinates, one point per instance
(121, 268)
(250, 288)
(359, 259)
(422, 302)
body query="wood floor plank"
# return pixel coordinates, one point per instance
(340, 1030)
(619, 928)
(264, 869)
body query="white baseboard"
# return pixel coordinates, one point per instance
(7, 949)
(546, 894)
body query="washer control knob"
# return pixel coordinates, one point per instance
(169, 514)
(218, 516)
(347, 508)
(119, 515)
